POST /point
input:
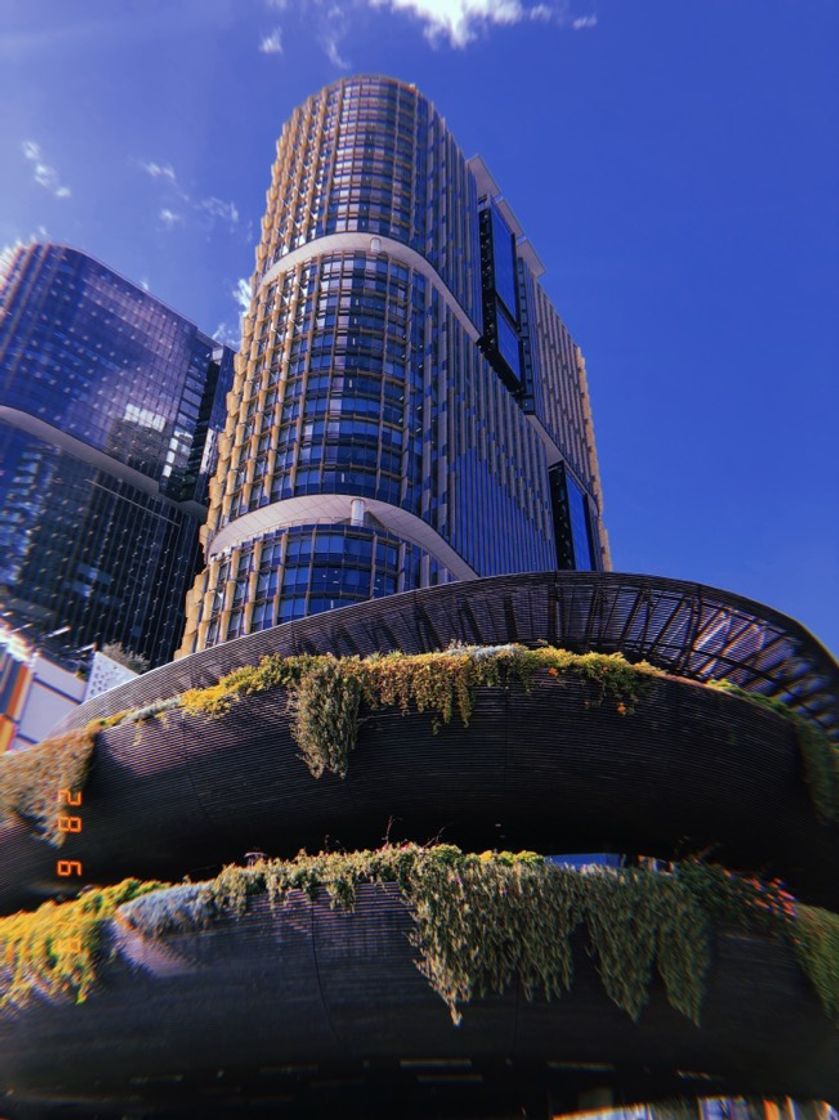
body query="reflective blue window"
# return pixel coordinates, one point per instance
(504, 261)
(578, 514)
(508, 345)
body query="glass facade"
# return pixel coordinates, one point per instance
(367, 407)
(303, 570)
(110, 409)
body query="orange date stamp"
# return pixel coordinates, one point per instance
(69, 823)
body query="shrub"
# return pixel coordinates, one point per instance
(819, 755)
(816, 941)
(329, 696)
(30, 779)
(481, 922)
(55, 948)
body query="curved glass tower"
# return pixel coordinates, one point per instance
(110, 408)
(408, 408)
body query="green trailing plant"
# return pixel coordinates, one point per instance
(54, 949)
(330, 697)
(30, 779)
(327, 695)
(640, 918)
(326, 707)
(819, 755)
(816, 941)
(820, 760)
(481, 922)
(742, 901)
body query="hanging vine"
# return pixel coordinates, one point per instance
(484, 922)
(30, 779)
(329, 697)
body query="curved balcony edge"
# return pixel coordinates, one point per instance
(689, 629)
(310, 989)
(556, 766)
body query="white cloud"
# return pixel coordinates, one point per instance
(459, 21)
(45, 175)
(242, 294)
(273, 43)
(169, 218)
(224, 332)
(277, 5)
(332, 31)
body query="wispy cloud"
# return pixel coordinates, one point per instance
(211, 208)
(225, 334)
(44, 175)
(332, 30)
(218, 208)
(331, 45)
(241, 294)
(159, 171)
(273, 43)
(582, 23)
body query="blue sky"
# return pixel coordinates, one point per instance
(674, 162)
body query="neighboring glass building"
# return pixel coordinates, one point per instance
(408, 408)
(110, 408)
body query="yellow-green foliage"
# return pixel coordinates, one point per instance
(54, 949)
(326, 704)
(484, 921)
(481, 922)
(30, 779)
(102, 723)
(819, 756)
(327, 694)
(816, 942)
(820, 759)
(273, 671)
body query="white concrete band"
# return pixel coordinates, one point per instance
(333, 509)
(24, 422)
(372, 243)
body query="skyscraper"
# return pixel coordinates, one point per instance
(110, 405)
(408, 407)
(593, 787)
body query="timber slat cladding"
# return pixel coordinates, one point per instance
(686, 628)
(553, 769)
(328, 988)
